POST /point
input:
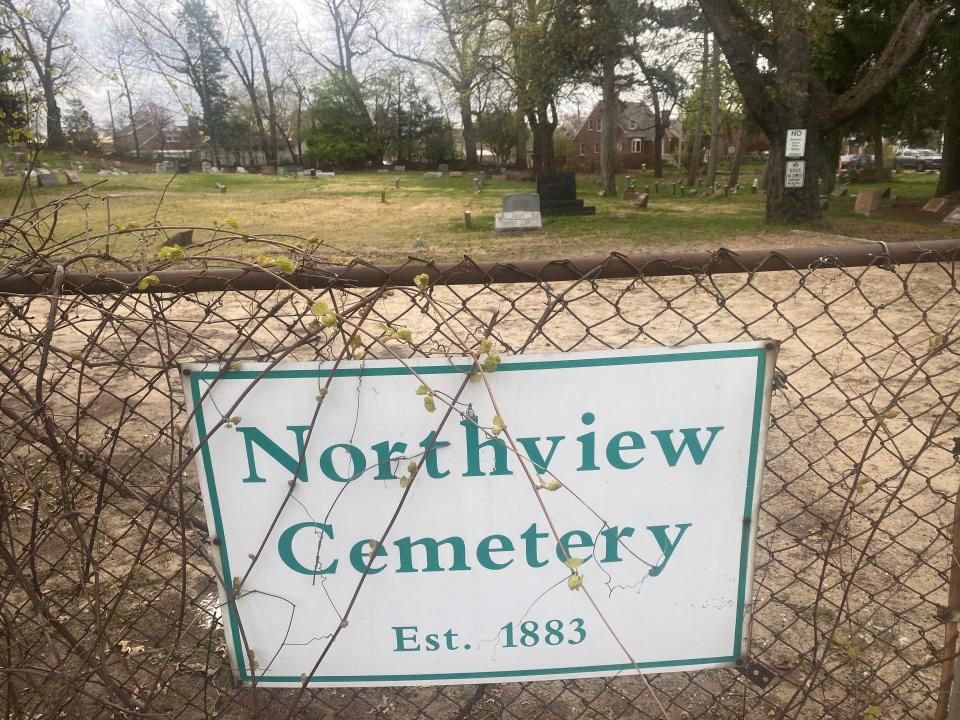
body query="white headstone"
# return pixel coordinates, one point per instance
(518, 220)
(954, 217)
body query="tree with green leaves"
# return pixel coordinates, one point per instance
(202, 62)
(339, 135)
(13, 114)
(772, 57)
(542, 46)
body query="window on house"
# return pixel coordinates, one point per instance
(590, 124)
(583, 148)
(596, 147)
(636, 145)
(599, 124)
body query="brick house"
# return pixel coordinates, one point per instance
(635, 138)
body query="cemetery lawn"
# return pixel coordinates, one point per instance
(346, 214)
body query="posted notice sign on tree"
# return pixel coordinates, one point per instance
(630, 550)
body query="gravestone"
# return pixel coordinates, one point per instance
(519, 212)
(379, 170)
(72, 176)
(824, 203)
(183, 166)
(205, 166)
(886, 193)
(867, 202)
(399, 168)
(630, 189)
(935, 205)
(520, 202)
(288, 171)
(10, 169)
(268, 170)
(954, 217)
(182, 238)
(499, 176)
(642, 201)
(840, 191)
(48, 180)
(456, 173)
(558, 195)
(443, 167)
(241, 169)
(433, 175)
(477, 184)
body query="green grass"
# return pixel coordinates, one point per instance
(345, 212)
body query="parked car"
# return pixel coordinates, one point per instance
(855, 162)
(919, 160)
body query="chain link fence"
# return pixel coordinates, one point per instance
(109, 603)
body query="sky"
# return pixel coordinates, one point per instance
(89, 18)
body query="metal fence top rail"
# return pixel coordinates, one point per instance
(469, 272)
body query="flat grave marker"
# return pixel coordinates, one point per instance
(954, 217)
(935, 205)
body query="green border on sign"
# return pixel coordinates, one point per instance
(508, 365)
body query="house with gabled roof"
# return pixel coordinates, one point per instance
(634, 138)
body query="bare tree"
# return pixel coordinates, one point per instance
(36, 26)
(124, 58)
(696, 150)
(714, 116)
(461, 27)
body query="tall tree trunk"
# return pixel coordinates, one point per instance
(695, 149)
(608, 135)
(469, 132)
(714, 116)
(542, 128)
(133, 122)
(830, 146)
(950, 172)
(521, 139)
(113, 124)
(737, 158)
(56, 140)
(878, 163)
(791, 205)
(658, 133)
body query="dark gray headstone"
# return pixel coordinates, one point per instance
(840, 191)
(557, 187)
(520, 202)
(48, 181)
(886, 193)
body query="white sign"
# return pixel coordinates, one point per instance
(796, 143)
(795, 172)
(517, 220)
(649, 462)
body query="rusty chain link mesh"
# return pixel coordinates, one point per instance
(109, 604)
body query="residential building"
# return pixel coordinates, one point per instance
(634, 137)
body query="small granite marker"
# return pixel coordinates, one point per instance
(935, 205)
(518, 212)
(433, 175)
(840, 191)
(867, 201)
(642, 201)
(954, 217)
(72, 176)
(886, 193)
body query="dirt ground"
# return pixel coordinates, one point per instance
(853, 547)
